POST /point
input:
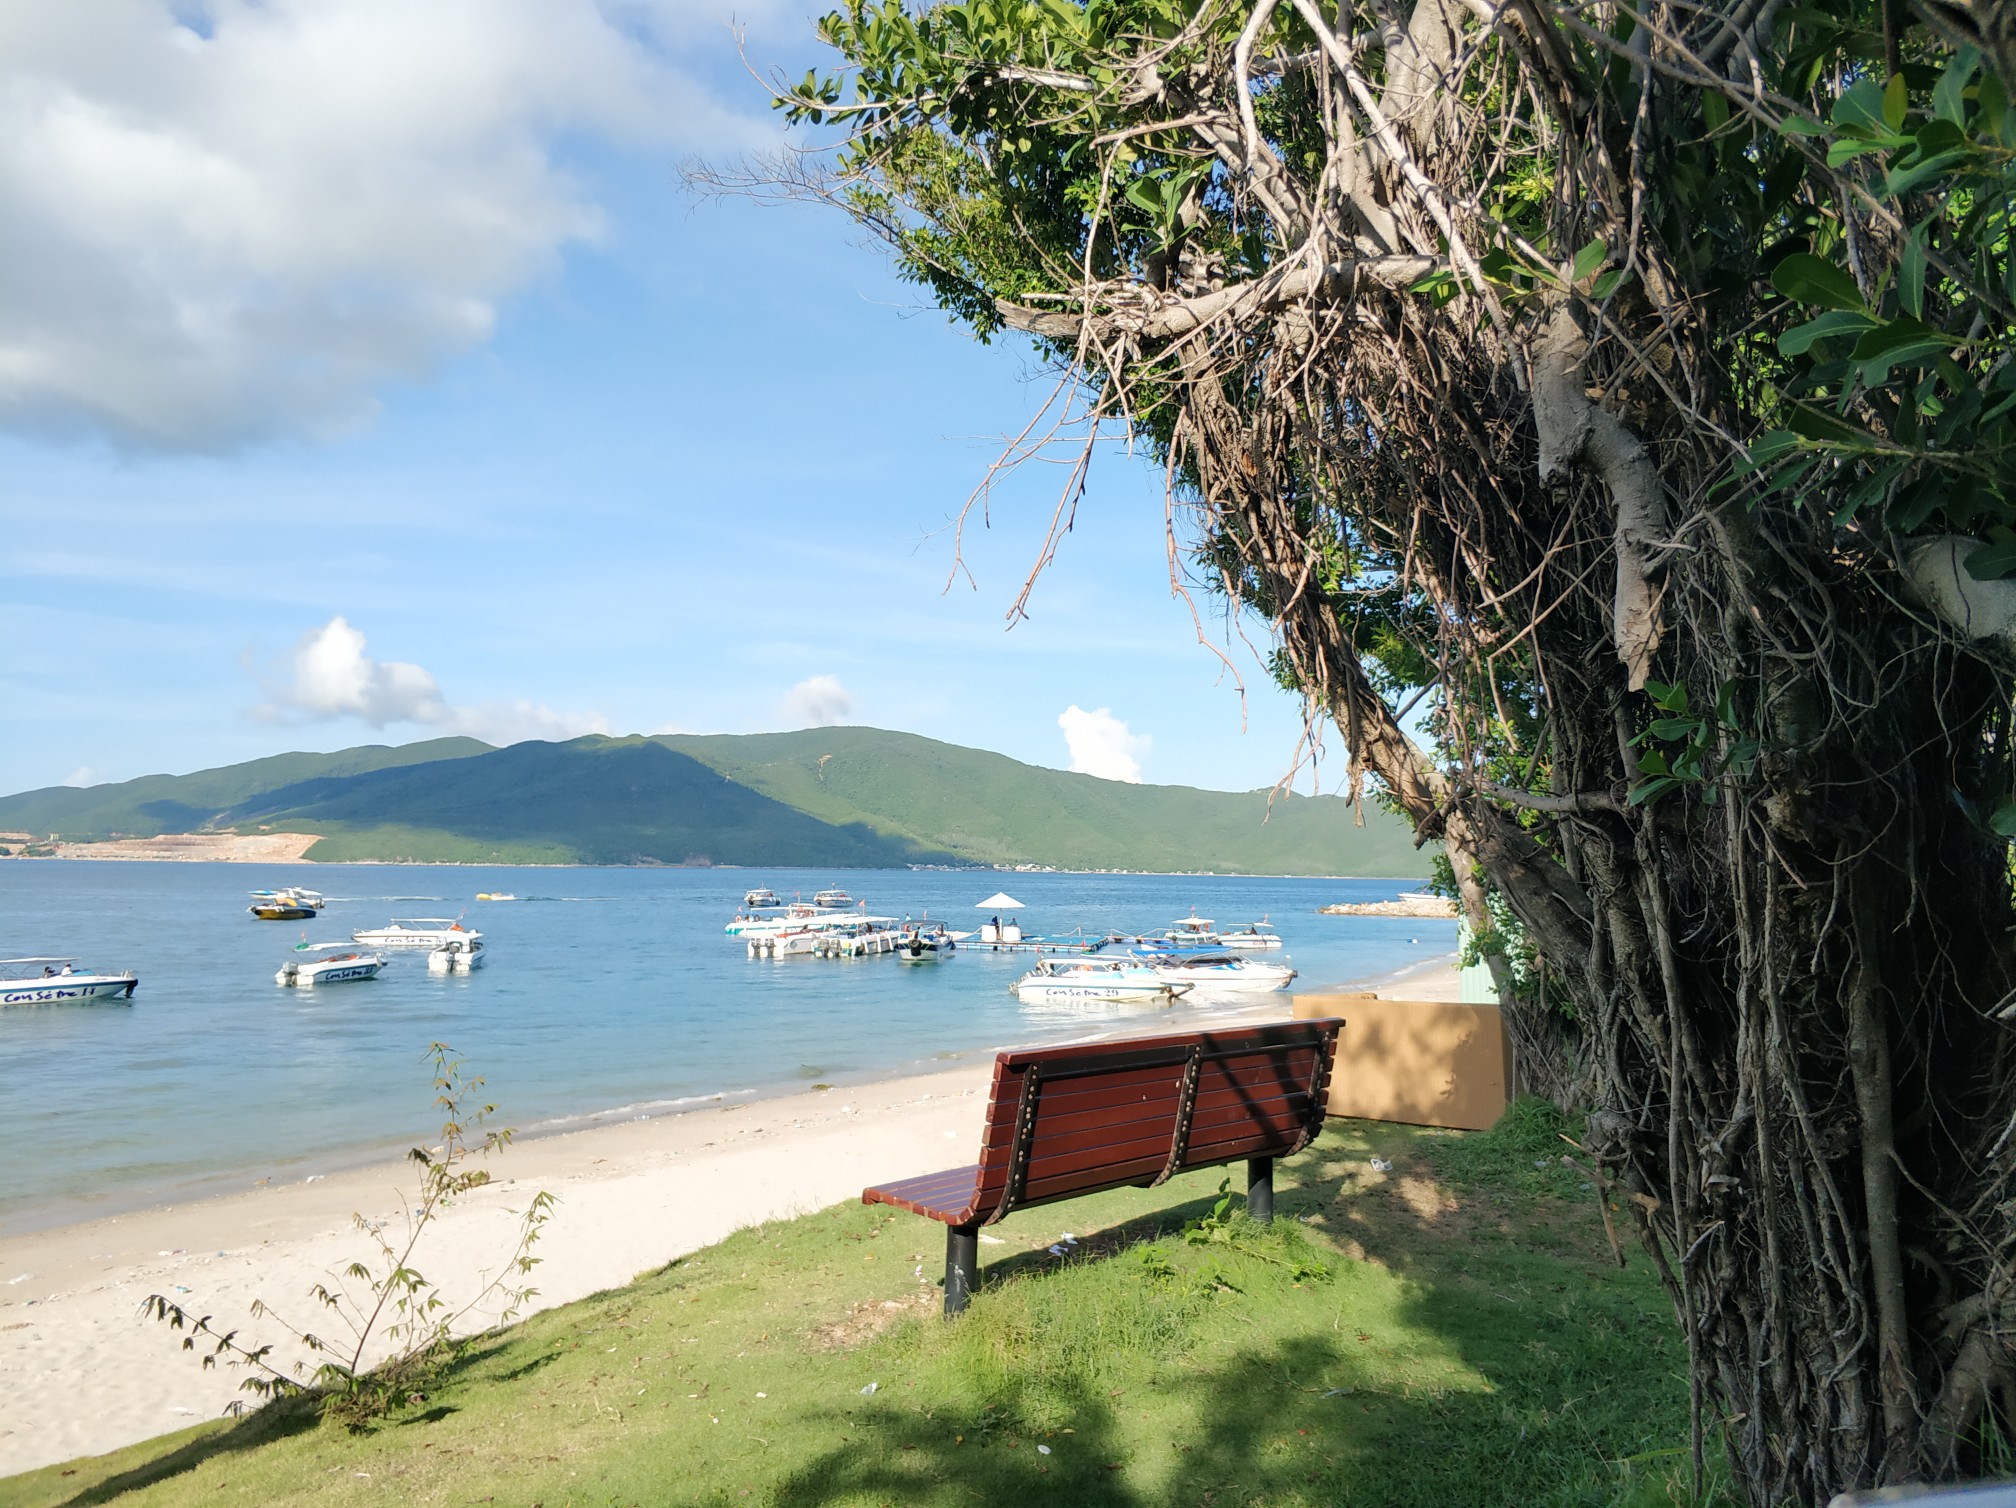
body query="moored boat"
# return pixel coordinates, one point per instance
(329, 963)
(292, 904)
(1062, 980)
(833, 900)
(459, 955)
(51, 981)
(494, 895)
(924, 942)
(760, 899)
(415, 932)
(1194, 931)
(1220, 973)
(1253, 937)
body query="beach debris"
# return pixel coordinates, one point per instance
(314, 1178)
(180, 1289)
(1340, 1392)
(1042, 1450)
(762, 1395)
(1382, 1165)
(991, 1241)
(22, 1279)
(175, 1253)
(870, 1388)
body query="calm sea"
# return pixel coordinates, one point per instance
(608, 994)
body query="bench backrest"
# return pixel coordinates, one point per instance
(1063, 1121)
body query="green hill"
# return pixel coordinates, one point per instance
(156, 804)
(827, 798)
(990, 809)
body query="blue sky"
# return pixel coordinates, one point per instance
(370, 377)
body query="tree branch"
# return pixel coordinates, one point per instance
(1140, 311)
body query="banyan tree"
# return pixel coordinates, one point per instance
(1609, 409)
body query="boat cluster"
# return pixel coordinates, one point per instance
(1190, 956)
(834, 925)
(451, 948)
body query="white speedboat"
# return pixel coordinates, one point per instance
(1251, 938)
(329, 963)
(760, 899)
(1219, 973)
(1194, 931)
(1062, 980)
(795, 917)
(415, 932)
(833, 900)
(460, 955)
(494, 895)
(48, 981)
(924, 942)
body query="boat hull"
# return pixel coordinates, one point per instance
(282, 912)
(329, 971)
(1065, 992)
(68, 988)
(445, 961)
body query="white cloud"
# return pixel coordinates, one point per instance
(239, 219)
(1101, 745)
(328, 676)
(818, 702)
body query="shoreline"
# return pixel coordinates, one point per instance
(84, 1373)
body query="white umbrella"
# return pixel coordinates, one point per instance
(1000, 900)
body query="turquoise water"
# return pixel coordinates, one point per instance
(608, 994)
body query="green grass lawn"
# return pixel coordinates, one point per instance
(1452, 1332)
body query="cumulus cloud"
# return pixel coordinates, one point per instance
(328, 676)
(820, 701)
(235, 219)
(1101, 745)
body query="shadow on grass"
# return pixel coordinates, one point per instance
(276, 1421)
(1558, 1381)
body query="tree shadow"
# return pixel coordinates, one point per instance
(1569, 1379)
(275, 1421)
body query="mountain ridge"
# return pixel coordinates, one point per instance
(849, 797)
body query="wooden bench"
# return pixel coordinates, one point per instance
(1065, 1121)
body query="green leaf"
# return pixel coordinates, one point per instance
(1772, 446)
(1903, 340)
(1807, 279)
(1800, 338)
(2003, 818)
(1949, 96)
(1911, 272)
(1651, 791)
(1896, 100)
(1861, 108)
(1587, 260)
(1996, 560)
(1819, 424)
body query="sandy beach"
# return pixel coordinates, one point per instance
(83, 1372)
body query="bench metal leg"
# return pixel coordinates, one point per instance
(1260, 1189)
(962, 1265)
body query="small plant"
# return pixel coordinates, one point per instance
(1216, 1226)
(389, 1302)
